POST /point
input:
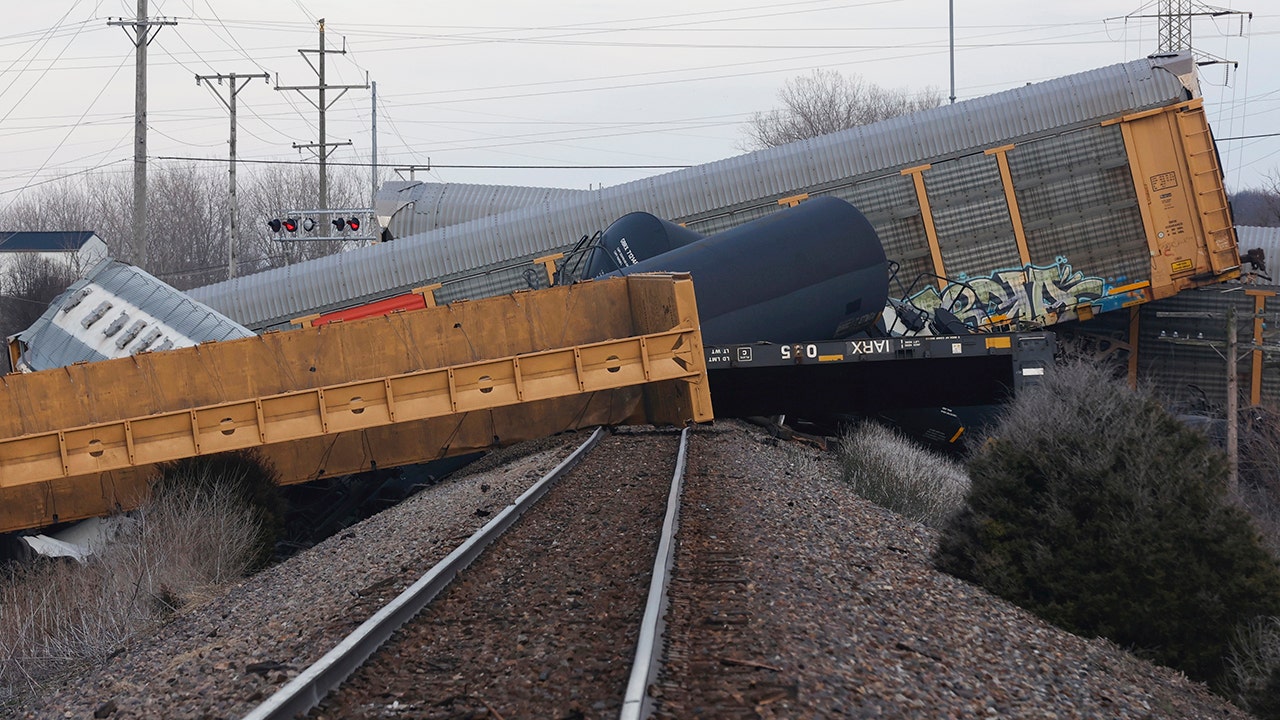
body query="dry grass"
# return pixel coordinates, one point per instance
(1254, 667)
(894, 472)
(57, 616)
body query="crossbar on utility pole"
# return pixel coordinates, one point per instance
(322, 104)
(142, 37)
(236, 84)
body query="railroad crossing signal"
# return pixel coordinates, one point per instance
(347, 222)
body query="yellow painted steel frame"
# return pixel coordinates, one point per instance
(1181, 197)
(926, 215)
(1256, 357)
(341, 398)
(1011, 200)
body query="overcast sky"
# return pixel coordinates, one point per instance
(504, 83)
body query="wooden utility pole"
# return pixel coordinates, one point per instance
(235, 84)
(1230, 354)
(142, 35)
(322, 104)
(1233, 404)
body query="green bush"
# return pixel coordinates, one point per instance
(1096, 509)
(896, 473)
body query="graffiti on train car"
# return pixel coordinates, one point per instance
(1029, 292)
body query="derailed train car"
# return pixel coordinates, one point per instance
(1052, 201)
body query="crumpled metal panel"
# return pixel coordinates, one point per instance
(728, 187)
(146, 315)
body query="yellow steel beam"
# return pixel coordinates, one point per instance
(1256, 357)
(331, 409)
(377, 392)
(548, 263)
(926, 215)
(1011, 199)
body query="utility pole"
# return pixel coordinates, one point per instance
(951, 11)
(373, 130)
(142, 35)
(236, 83)
(322, 104)
(1232, 357)
(1233, 404)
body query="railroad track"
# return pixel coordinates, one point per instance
(560, 616)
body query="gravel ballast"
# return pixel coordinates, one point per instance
(841, 614)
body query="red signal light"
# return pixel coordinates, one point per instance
(291, 224)
(354, 223)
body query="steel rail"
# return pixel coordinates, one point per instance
(311, 686)
(636, 703)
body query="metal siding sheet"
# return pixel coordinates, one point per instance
(1190, 374)
(971, 216)
(1076, 197)
(712, 190)
(1266, 238)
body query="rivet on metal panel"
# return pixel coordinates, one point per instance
(644, 357)
(391, 400)
(262, 425)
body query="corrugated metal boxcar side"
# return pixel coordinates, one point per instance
(1046, 202)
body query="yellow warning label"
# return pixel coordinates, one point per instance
(998, 342)
(1182, 266)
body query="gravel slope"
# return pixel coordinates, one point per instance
(848, 609)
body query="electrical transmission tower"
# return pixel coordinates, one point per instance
(1175, 25)
(235, 85)
(142, 34)
(1173, 19)
(322, 103)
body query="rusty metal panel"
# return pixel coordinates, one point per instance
(346, 392)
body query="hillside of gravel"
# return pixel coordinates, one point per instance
(854, 620)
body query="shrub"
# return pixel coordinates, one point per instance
(896, 473)
(1255, 667)
(195, 534)
(243, 477)
(1097, 510)
(1259, 481)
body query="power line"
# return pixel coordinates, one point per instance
(433, 165)
(1248, 137)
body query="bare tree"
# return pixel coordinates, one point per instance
(188, 216)
(27, 286)
(826, 101)
(279, 188)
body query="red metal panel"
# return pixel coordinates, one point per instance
(408, 301)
